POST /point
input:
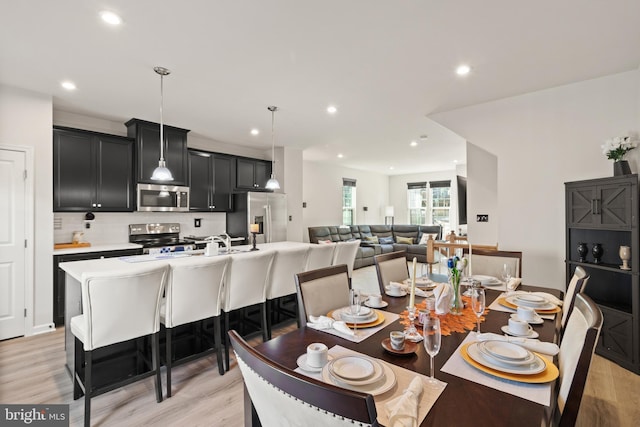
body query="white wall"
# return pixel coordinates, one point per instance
(482, 195)
(322, 190)
(25, 120)
(292, 185)
(543, 139)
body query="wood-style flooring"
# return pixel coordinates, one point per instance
(32, 372)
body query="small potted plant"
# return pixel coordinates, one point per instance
(615, 149)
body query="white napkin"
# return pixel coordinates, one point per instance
(530, 344)
(552, 299)
(419, 292)
(513, 283)
(443, 294)
(403, 410)
(324, 322)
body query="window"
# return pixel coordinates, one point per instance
(417, 198)
(441, 204)
(348, 201)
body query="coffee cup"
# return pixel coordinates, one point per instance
(317, 355)
(526, 313)
(396, 338)
(375, 300)
(423, 315)
(519, 327)
(394, 289)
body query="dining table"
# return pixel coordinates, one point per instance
(463, 402)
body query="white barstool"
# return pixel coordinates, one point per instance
(345, 253)
(320, 256)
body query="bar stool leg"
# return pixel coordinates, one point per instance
(217, 336)
(168, 360)
(155, 352)
(87, 388)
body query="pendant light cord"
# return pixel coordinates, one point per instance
(161, 118)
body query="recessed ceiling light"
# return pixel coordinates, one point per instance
(455, 161)
(391, 168)
(331, 109)
(110, 18)
(463, 70)
(255, 132)
(340, 156)
(413, 143)
(68, 85)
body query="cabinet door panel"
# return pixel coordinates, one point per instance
(262, 174)
(615, 205)
(73, 180)
(245, 173)
(148, 153)
(115, 174)
(200, 175)
(616, 336)
(222, 183)
(580, 206)
(175, 154)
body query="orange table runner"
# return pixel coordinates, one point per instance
(449, 323)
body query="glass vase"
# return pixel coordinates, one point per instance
(456, 301)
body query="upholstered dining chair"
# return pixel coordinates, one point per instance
(281, 396)
(574, 358)
(117, 306)
(194, 293)
(576, 285)
(287, 262)
(245, 285)
(489, 262)
(345, 253)
(391, 267)
(320, 256)
(320, 291)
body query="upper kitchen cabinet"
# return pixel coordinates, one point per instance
(92, 171)
(252, 174)
(209, 181)
(147, 136)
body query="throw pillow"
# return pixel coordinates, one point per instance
(385, 240)
(425, 236)
(324, 242)
(371, 239)
(404, 240)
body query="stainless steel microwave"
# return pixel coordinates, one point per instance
(163, 198)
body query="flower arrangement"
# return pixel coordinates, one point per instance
(616, 148)
(456, 266)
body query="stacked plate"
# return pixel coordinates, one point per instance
(536, 302)
(360, 374)
(506, 357)
(366, 315)
(487, 280)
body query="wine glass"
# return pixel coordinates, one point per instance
(354, 307)
(478, 303)
(432, 338)
(506, 273)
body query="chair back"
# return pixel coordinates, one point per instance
(345, 253)
(576, 285)
(391, 267)
(281, 396)
(320, 256)
(287, 262)
(246, 279)
(194, 290)
(490, 262)
(574, 359)
(121, 306)
(320, 291)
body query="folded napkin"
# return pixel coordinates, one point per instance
(407, 288)
(530, 344)
(443, 294)
(513, 283)
(552, 299)
(403, 410)
(324, 322)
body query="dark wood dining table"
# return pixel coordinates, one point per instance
(463, 402)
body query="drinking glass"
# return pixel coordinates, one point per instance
(354, 307)
(506, 274)
(432, 338)
(478, 303)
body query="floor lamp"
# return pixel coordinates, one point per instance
(388, 215)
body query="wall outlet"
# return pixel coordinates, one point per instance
(482, 218)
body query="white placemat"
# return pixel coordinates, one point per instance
(538, 393)
(495, 305)
(403, 378)
(364, 333)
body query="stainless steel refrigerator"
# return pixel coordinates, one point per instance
(268, 210)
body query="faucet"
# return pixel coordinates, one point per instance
(226, 241)
(215, 239)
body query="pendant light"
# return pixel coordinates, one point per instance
(161, 173)
(273, 183)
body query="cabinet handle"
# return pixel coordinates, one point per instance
(93, 205)
(213, 207)
(99, 205)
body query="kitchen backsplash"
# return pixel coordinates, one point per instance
(113, 228)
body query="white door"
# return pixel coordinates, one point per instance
(12, 243)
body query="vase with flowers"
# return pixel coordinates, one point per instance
(615, 149)
(456, 266)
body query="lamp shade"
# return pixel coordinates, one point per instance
(388, 211)
(161, 173)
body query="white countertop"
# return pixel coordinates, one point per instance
(97, 248)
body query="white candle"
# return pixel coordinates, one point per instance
(254, 228)
(412, 296)
(470, 253)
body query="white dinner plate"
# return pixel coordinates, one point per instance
(499, 356)
(345, 315)
(352, 367)
(537, 321)
(533, 368)
(487, 280)
(377, 374)
(504, 350)
(382, 304)
(531, 334)
(302, 363)
(384, 384)
(401, 294)
(517, 302)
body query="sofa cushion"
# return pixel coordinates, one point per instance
(404, 240)
(386, 240)
(371, 239)
(381, 230)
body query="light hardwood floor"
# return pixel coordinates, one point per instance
(32, 372)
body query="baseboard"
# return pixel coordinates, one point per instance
(43, 329)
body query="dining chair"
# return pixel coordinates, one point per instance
(391, 267)
(194, 293)
(117, 306)
(345, 253)
(244, 286)
(490, 262)
(320, 256)
(281, 396)
(320, 291)
(576, 285)
(574, 358)
(287, 262)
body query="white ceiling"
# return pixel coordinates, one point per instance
(385, 64)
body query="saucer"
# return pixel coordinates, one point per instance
(401, 294)
(302, 363)
(531, 334)
(537, 321)
(409, 347)
(382, 304)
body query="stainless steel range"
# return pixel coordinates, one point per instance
(159, 238)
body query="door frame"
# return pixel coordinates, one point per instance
(29, 232)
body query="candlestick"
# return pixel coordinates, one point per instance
(254, 243)
(412, 296)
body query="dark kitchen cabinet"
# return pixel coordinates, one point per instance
(252, 174)
(147, 137)
(605, 211)
(92, 171)
(209, 181)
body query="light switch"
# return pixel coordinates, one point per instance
(482, 218)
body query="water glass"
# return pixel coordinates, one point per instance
(478, 303)
(354, 306)
(432, 338)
